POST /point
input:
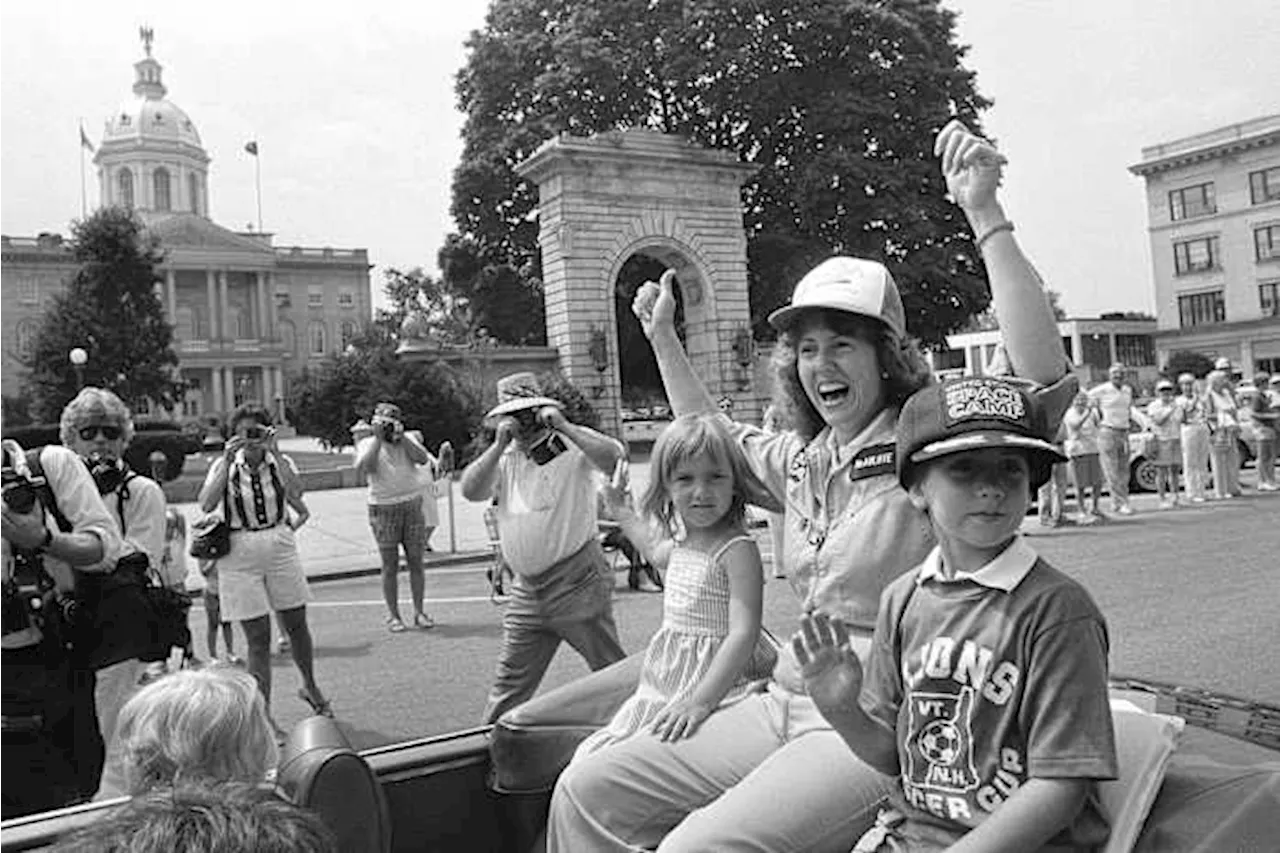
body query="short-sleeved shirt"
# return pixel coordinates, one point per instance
(546, 513)
(256, 495)
(850, 527)
(1193, 409)
(988, 680)
(393, 476)
(1171, 427)
(139, 506)
(1115, 403)
(1082, 432)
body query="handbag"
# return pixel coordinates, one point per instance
(210, 538)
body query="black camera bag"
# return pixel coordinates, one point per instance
(126, 613)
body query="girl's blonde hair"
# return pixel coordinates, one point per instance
(196, 725)
(689, 436)
(903, 368)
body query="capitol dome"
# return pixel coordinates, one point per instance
(151, 158)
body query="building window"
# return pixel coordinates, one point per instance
(283, 299)
(347, 331)
(1190, 202)
(193, 192)
(1201, 309)
(1264, 186)
(315, 296)
(316, 335)
(948, 359)
(243, 325)
(185, 327)
(28, 291)
(1266, 242)
(124, 184)
(346, 298)
(160, 183)
(1195, 256)
(1135, 350)
(26, 335)
(199, 325)
(1068, 346)
(1269, 298)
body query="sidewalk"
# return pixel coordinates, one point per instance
(337, 542)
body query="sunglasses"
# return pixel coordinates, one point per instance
(89, 433)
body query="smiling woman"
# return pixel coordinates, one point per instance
(843, 368)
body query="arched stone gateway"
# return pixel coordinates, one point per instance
(607, 198)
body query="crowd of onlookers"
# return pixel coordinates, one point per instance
(1194, 434)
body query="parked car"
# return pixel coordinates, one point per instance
(170, 438)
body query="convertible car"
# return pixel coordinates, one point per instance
(1200, 772)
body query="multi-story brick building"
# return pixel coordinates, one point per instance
(246, 313)
(1213, 204)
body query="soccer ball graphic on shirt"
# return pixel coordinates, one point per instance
(940, 753)
(940, 742)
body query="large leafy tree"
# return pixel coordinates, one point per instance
(441, 402)
(837, 101)
(111, 310)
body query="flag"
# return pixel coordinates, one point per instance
(84, 140)
(252, 147)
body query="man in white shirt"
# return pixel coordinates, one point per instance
(1113, 401)
(540, 469)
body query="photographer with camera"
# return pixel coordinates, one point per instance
(55, 525)
(542, 472)
(98, 426)
(389, 459)
(255, 486)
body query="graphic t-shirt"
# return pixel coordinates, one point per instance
(989, 680)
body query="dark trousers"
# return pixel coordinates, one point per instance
(52, 749)
(571, 602)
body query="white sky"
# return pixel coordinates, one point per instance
(353, 108)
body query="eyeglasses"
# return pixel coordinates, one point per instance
(89, 433)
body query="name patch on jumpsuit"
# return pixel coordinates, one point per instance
(873, 461)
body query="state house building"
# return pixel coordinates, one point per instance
(246, 313)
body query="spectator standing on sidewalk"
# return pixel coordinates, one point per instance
(1114, 401)
(771, 423)
(543, 471)
(1166, 423)
(1052, 497)
(1265, 413)
(1081, 446)
(389, 458)
(1194, 433)
(256, 485)
(1223, 412)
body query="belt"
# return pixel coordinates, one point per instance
(1115, 428)
(255, 529)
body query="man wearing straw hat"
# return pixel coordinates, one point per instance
(541, 472)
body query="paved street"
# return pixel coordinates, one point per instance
(1190, 595)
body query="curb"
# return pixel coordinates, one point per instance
(461, 559)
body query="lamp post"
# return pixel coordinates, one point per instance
(78, 357)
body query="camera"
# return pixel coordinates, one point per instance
(387, 429)
(258, 432)
(526, 421)
(108, 472)
(20, 491)
(547, 448)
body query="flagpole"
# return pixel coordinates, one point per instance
(257, 179)
(84, 205)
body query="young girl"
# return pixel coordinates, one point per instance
(1081, 425)
(710, 646)
(1166, 418)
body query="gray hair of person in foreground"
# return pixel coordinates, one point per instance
(208, 724)
(228, 817)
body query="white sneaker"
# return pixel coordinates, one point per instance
(1125, 510)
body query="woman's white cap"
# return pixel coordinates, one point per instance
(854, 285)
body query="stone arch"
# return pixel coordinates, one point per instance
(605, 199)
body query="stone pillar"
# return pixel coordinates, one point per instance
(268, 306)
(1111, 345)
(224, 308)
(215, 325)
(215, 388)
(607, 198)
(278, 382)
(171, 296)
(268, 395)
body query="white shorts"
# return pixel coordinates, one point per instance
(261, 574)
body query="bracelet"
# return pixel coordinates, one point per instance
(992, 231)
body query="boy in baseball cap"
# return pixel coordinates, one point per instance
(985, 691)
